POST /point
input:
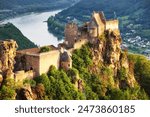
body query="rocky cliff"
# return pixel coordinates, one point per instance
(106, 51)
(25, 93)
(7, 54)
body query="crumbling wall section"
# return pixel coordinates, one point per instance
(112, 25)
(71, 33)
(80, 43)
(20, 76)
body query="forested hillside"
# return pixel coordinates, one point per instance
(132, 14)
(61, 85)
(9, 4)
(15, 7)
(9, 31)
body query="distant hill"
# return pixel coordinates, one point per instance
(133, 15)
(9, 31)
(14, 7)
(8, 4)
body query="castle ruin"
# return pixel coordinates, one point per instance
(76, 36)
(31, 63)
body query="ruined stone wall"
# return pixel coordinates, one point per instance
(79, 43)
(71, 33)
(39, 62)
(33, 63)
(101, 29)
(100, 21)
(30, 74)
(70, 50)
(19, 76)
(47, 59)
(94, 32)
(112, 25)
(93, 29)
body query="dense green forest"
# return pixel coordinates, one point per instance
(132, 14)
(142, 70)
(9, 31)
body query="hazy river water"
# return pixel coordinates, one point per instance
(34, 28)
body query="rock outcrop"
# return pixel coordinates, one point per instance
(25, 93)
(106, 50)
(7, 54)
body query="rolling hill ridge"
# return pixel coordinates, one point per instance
(132, 14)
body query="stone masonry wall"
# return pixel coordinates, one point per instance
(47, 59)
(71, 32)
(101, 25)
(112, 25)
(79, 43)
(19, 76)
(32, 63)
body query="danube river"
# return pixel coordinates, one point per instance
(34, 28)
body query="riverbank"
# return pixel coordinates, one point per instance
(27, 13)
(9, 31)
(32, 25)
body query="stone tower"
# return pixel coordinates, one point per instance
(65, 60)
(71, 34)
(97, 24)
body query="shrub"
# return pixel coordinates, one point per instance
(30, 81)
(44, 49)
(44, 80)
(122, 74)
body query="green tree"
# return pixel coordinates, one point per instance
(89, 94)
(141, 70)
(44, 49)
(73, 74)
(40, 91)
(122, 74)
(45, 81)
(9, 31)
(30, 81)
(7, 91)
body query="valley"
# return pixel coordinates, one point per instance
(28, 18)
(132, 14)
(34, 27)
